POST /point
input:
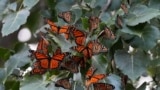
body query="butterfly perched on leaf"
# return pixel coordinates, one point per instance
(92, 78)
(106, 33)
(92, 48)
(66, 16)
(42, 49)
(59, 29)
(93, 23)
(64, 82)
(54, 61)
(103, 86)
(37, 69)
(79, 36)
(73, 64)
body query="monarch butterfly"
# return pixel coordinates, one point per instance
(79, 60)
(63, 83)
(42, 50)
(70, 65)
(103, 86)
(85, 50)
(107, 33)
(94, 79)
(59, 30)
(97, 47)
(55, 60)
(73, 64)
(57, 57)
(80, 37)
(119, 22)
(124, 8)
(93, 47)
(66, 16)
(37, 69)
(91, 78)
(93, 23)
(90, 72)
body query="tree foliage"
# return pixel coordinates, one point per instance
(136, 25)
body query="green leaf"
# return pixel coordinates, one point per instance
(12, 85)
(67, 4)
(2, 75)
(99, 62)
(4, 53)
(115, 81)
(2, 8)
(133, 65)
(2, 87)
(62, 42)
(12, 6)
(29, 3)
(141, 14)
(85, 23)
(13, 21)
(33, 83)
(148, 36)
(17, 60)
(154, 4)
(77, 14)
(115, 4)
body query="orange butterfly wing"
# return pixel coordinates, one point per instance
(71, 66)
(93, 23)
(53, 26)
(78, 60)
(59, 30)
(90, 72)
(94, 79)
(63, 83)
(57, 57)
(42, 49)
(79, 36)
(37, 69)
(103, 86)
(85, 50)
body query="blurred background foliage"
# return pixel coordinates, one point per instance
(137, 27)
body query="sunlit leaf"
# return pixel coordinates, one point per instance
(133, 65)
(13, 21)
(141, 14)
(30, 3)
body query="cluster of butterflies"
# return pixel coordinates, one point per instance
(66, 61)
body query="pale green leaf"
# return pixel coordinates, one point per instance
(17, 60)
(30, 3)
(3, 5)
(133, 65)
(2, 75)
(141, 14)
(12, 6)
(34, 83)
(13, 21)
